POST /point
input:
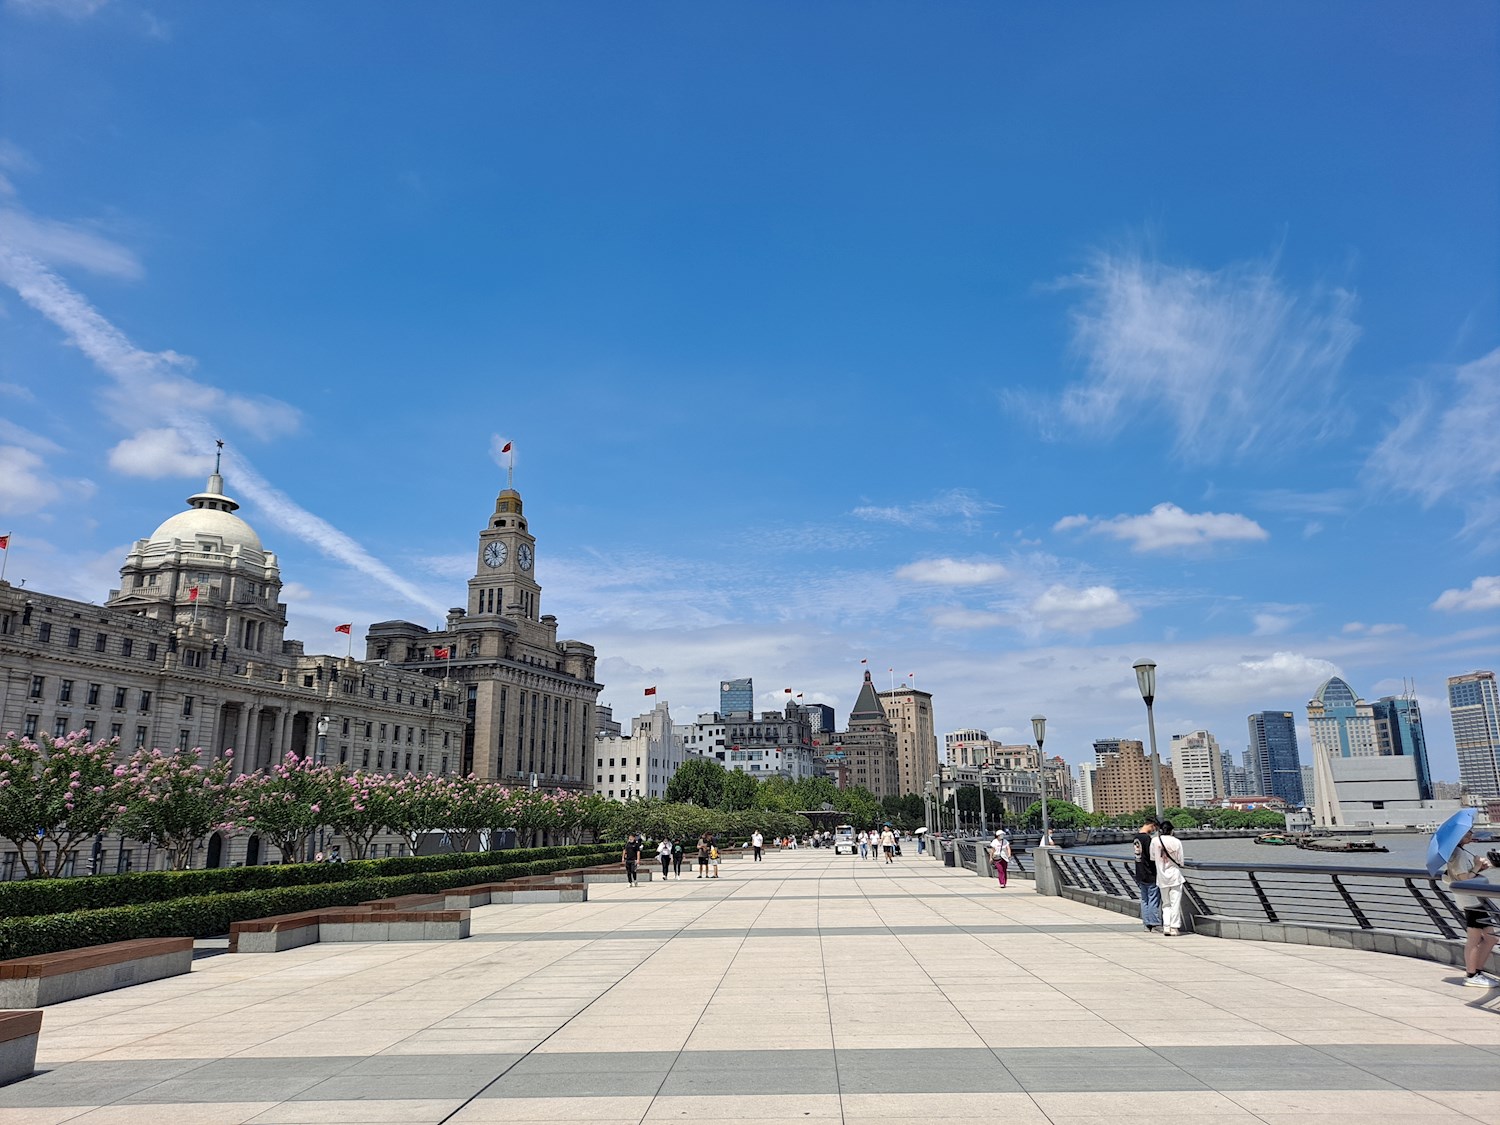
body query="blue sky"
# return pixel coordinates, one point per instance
(997, 345)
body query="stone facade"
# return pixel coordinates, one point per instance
(865, 754)
(910, 714)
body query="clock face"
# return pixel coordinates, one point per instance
(524, 556)
(494, 555)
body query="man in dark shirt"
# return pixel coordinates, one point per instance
(631, 857)
(1145, 876)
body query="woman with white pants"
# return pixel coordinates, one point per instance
(1166, 851)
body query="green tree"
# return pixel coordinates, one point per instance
(56, 793)
(284, 803)
(738, 792)
(812, 793)
(176, 800)
(1060, 814)
(699, 781)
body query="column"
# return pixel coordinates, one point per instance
(241, 754)
(288, 722)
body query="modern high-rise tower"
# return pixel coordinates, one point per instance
(1474, 703)
(1398, 733)
(1342, 723)
(1273, 750)
(737, 697)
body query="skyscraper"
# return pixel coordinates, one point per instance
(737, 696)
(1199, 766)
(1273, 750)
(1398, 733)
(910, 713)
(1474, 703)
(1341, 722)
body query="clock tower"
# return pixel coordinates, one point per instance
(504, 581)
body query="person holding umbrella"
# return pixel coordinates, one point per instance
(1449, 853)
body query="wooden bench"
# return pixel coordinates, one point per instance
(519, 890)
(370, 921)
(50, 978)
(18, 1035)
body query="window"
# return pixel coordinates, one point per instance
(140, 737)
(151, 650)
(368, 728)
(385, 695)
(37, 683)
(101, 642)
(346, 728)
(115, 729)
(119, 699)
(93, 696)
(44, 632)
(364, 759)
(421, 762)
(444, 767)
(307, 681)
(145, 702)
(406, 764)
(65, 691)
(74, 636)
(343, 755)
(28, 728)
(380, 760)
(127, 646)
(187, 706)
(382, 735)
(60, 727)
(183, 738)
(88, 726)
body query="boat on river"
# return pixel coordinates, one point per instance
(1280, 839)
(1335, 844)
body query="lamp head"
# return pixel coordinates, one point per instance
(1039, 728)
(1145, 679)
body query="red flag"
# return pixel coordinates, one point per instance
(192, 593)
(864, 662)
(799, 695)
(441, 653)
(349, 628)
(650, 691)
(787, 690)
(4, 542)
(505, 448)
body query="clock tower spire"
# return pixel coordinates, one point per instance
(504, 581)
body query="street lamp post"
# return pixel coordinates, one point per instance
(1039, 732)
(1145, 678)
(323, 721)
(983, 820)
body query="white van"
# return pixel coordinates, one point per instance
(843, 840)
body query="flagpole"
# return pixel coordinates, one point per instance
(4, 555)
(349, 652)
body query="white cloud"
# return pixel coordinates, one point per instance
(1283, 675)
(1236, 361)
(161, 453)
(24, 487)
(1445, 446)
(959, 504)
(1269, 624)
(953, 572)
(957, 617)
(15, 390)
(27, 439)
(1482, 594)
(1167, 527)
(497, 451)
(1078, 610)
(66, 244)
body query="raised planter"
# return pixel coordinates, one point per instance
(50, 978)
(366, 922)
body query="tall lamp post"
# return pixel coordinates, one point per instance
(1039, 732)
(1145, 678)
(983, 820)
(323, 721)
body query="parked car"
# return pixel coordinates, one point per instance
(843, 840)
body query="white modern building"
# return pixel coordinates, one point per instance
(1088, 773)
(1199, 765)
(641, 763)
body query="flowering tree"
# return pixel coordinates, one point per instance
(56, 793)
(284, 803)
(175, 800)
(474, 806)
(589, 813)
(419, 805)
(360, 806)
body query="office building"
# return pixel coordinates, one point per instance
(1398, 733)
(1123, 784)
(1474, 704)
(1108, 747)
(966, 747)
(641, 763)
(865, 752)
(909, 711)
(1341, 723)
(1273, 753)
(1198, 764)
(820, 717)
(1088, 773)
(737, 697)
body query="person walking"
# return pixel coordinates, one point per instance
(864, 844)
(757, 841)
(664, 853)
(888, 844)
(630, 856)
(676, 859)
(713, 854)
(1145, 876)
(1000, 855)
(1166, 852)
(1479, 924)
(703, 850)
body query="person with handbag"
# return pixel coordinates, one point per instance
(1000, 855)
(1166, 853)
(664, 853)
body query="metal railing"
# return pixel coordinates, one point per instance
(1389, 899)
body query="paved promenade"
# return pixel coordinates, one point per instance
(808, 988)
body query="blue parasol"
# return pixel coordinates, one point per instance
(1445, 840)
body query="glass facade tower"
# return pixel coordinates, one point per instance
(1398, 730)
(1474, 703)
(737, 696)
(1273, 750)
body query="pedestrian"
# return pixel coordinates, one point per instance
(703, 849)
(664, 853)
(676, 859)
(713, 854)
(864, 844)
(921, 843)
(757, 841)
(336, 856)
(1479, 923)
(1000, 855)
(630, 856)
(1166, 852)
(888, 844)
(1145, 876)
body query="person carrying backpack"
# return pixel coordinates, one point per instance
(1145, 875)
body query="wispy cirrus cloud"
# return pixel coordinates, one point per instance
(953, 572)
(1233, 358)
(1444, 447)
(961, 505)
(1481, 594)
(1167, 527)
(68, 9)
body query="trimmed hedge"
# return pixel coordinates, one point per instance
(205, 915)
(31, 897)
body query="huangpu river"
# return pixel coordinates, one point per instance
(1406, 851)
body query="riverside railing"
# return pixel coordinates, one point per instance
(1385, 909)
